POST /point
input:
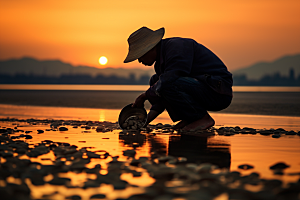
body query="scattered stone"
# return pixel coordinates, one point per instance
(245, 166)
(276, 136)
(40, 131)
(63, 128)
(119, 185)
(59, 181)
(98, 196)
(291, 133)
(74, 197)
(174, 176)
(279, 166)
(28, 136)
(91, 184)
(129, 153)
(133, 123)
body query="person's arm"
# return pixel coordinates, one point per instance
(151, 116)
(140, 100)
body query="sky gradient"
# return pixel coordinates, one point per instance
(240, 32)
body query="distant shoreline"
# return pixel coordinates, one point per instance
(123, 87)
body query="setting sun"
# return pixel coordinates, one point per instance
(103, 60)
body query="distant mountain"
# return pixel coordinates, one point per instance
(281, 65)
(56, 68)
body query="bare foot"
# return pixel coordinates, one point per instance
(201, 124)
(180, 125)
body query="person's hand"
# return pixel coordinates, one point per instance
(140, 100)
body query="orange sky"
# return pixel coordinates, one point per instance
(240, 32)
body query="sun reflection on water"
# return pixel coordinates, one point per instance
(101, 115)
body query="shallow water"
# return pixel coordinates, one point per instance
(94, 114)
(227, 152)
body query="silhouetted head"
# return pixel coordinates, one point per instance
(142, 45)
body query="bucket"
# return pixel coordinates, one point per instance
(129, 112)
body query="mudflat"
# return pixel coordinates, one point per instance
(85, 159)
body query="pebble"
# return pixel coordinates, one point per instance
(245, 166)
(74, 197)
(98, 196)
(291, 133)
(276, 136)
(129, 153)
(175, 178)
(40, 131)
(63, 128)
(133, 123)
(279, 166)
(59, 181)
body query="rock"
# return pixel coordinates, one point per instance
(119, 185)
(291, 133)
(28, 136)
(37, 179)
(74, 197)
(265, 132)
(92, 155)
(276, 136)
(63, 128)
(98, 196)
(40, 131)
(91, 184)
(279, 166)
(100, 129)
(6, 154)
(205, 168)
(2, 130)
(4, 147)
(245, 166)
(165, 159)
(59, 181)
(129, 153)
(272, 184)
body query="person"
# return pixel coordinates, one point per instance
(189, 79)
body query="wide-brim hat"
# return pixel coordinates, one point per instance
(141, 41)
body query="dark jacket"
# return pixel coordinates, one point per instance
(183, 57)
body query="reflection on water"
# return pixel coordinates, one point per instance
(242, 120)
(223, 151)
(200, 150)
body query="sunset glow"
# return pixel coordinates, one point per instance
(239, 32)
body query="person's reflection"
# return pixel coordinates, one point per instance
(137, 139)
(132, 139)
(197, 149)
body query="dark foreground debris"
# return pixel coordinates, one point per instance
(174, 177)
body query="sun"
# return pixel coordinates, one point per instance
(103, 60)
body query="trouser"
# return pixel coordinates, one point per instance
(189, 99)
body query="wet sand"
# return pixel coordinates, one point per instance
(92, 156)
(261, 103)
(67, 113)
